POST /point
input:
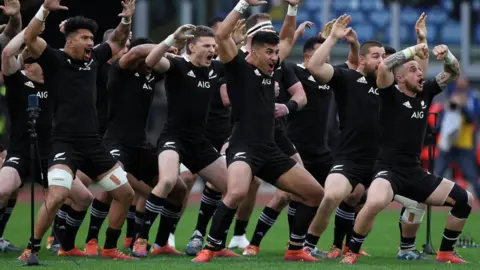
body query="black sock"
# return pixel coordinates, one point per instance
(98, 214)
(153, 207)
(344, 221)
(292, 207)
(61, 222)
(356, 242)
(6, 215)
(112, 238)
(138, 225)
(265, 222)
(208, 205)
(400, 223)
(34, 244)
(311, 241)
(168, 218)
(240, 227)
(407, 243)
(74, 221)
(174, 229)
(130, 222)
(221, 221)
(449, 239)
(303, 217)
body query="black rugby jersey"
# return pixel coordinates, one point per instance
(403, 122)
(189, 91)
(102, 97)
(130, 96)
(72, 87)
(357, 100)
(218, 122)
(18, 88)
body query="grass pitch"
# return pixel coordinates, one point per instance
(382, 243)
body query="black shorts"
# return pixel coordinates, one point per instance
(90, 155)
(266, 160)
(218, 141)
(412, 182)
(19, 159)
(2, 148)
(317, 161)
(139, 161)
(284, 142)
(356, 172)
(195, 154)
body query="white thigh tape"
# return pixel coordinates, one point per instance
(59, 177)
(114, 179)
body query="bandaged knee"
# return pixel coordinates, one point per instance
(414, 211)
(59, 177)
(460, 209)
(114, 179)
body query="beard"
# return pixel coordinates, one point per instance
(412, 88)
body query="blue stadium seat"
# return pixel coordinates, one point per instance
(451, 33)
(447, 5)
(303, 15)
(477, 33)
(409, 15)
(342, 5)
(406, 34)
(312, 5)
(432, 33)
(380, 18)
(369, 5)
(364, 31)
(436, 16)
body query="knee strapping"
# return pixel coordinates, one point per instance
(460, 209)
(114, 179)
(59, 177)
(414, 211)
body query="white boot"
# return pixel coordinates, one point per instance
(239, 242)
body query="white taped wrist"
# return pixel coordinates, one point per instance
(292, 10)
(409, 52)
(449, 58)
(126, 21)
(41, 13)
(170, 40)
(241, 6)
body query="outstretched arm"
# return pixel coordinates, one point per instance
(156, 59)
(421, 30)
(385, 76)
(451, 67)
(301, 30)
(120, 35)
(352, 39)
(11, 8)
(10, 64)
(134, 54)
(318, 66)
(287, 33)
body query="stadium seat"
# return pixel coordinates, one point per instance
(447, 5)
(406, 34)
(357, 16)
(451, 32)
(303, 15)
(436, 16)
(369, 5)
(344, 5)
(380, 18)
(409, 15)
(313, 4)
(477, 33)
(364, 31)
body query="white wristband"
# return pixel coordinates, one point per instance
(449, 58)
(241, 6)
(292, 10)
(126, 21)
(409, 52)
(41, 14)
(170, 40)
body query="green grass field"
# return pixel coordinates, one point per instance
(382, 243)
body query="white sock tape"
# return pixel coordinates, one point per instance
(241, 6)
(292, 10)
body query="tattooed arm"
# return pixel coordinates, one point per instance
(120, 35)
(451, 68)
(385, 76)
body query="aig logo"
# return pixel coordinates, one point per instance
(203, 84)
(373, 91)
(417, 115)
(43, 94)
(266, 81)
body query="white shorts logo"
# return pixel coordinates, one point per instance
(59, 156)
(169, 145)
(115, 152)
(382, 173)
(240, 155)
(337, 168)
(13, 160)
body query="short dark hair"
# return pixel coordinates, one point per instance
(365, 47)
(200, 31)
(214, 21)
(254, 18)
(265, 37)
(107, 34)
(389, 50)
(80, 22)
(311, 42)
(140, 41)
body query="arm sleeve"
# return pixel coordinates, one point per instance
(289, 78)
(431, 89)
(236, 62)
(103, 52)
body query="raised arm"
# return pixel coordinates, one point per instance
(287, 33)
(352, 39)
(301, 30)
(120, 35)
(421, 30)
(318, 66)
(156, 59)
(11, 8)
(451, 67)
(10, 64)
(138, 52)
(385, 76)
